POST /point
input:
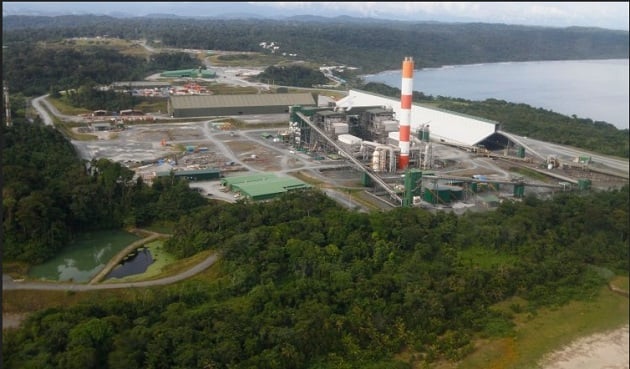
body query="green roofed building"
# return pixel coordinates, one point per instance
(188, 73)
(222, 105)
(263, 186)
(194, 175)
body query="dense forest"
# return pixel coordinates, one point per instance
(49, 195)
(32, 69)
(303, 283)
(292, 75)
(370, 45)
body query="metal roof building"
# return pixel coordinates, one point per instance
(194, 175)
(189, 73)
(263, 186)
(218, 105)
(140, 84)
(444, 126)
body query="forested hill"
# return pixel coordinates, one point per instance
(371, 45)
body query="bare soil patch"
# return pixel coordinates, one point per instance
(607, 350)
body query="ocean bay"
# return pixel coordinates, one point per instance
(595, 89)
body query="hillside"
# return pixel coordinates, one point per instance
(368, 44)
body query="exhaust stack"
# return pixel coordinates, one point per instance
(406, 92)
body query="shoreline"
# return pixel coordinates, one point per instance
(605, 350)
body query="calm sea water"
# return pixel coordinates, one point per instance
(595, 89)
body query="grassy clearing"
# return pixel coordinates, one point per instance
(620, 282)
(152, 105)
(123, 46)
(67, 129)
(185, 264)
(247, 60)
(484, 258)
(529, 173)
(67, 109)
(547, 330)
(223, 89)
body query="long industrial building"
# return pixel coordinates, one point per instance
(449, 127)
(223, 105)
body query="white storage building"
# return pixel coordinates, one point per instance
(444, 126)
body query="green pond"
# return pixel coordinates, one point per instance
(84, 257)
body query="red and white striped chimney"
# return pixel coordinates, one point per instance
(406, 91)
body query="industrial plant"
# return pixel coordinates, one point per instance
(391, 143)
(390, 152)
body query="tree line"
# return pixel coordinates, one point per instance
(292, 75)
(371, 45)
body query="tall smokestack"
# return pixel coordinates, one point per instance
(406, 91)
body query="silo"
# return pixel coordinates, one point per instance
(425, 133)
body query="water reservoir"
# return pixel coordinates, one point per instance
(135, 264)
(84, 257)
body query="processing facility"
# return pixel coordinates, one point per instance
(388, 139)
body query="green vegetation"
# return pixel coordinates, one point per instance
(536, 333)
(522, 119)
(49, 195)
(161, 260)
(529, 173)
(371, 45)
(248, 60)
(294, 75)
(303, 283)
(38, 69)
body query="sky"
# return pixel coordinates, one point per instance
(610, 15)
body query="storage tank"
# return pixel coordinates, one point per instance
(424, 133)
(376, 160)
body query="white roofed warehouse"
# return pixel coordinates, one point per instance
(446, 126)
(224, 105)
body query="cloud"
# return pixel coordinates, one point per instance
(561, 14)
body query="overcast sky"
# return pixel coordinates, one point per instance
(611, 15)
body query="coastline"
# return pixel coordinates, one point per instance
(606, 350)
(590, 89)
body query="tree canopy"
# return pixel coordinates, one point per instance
(303, 283)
